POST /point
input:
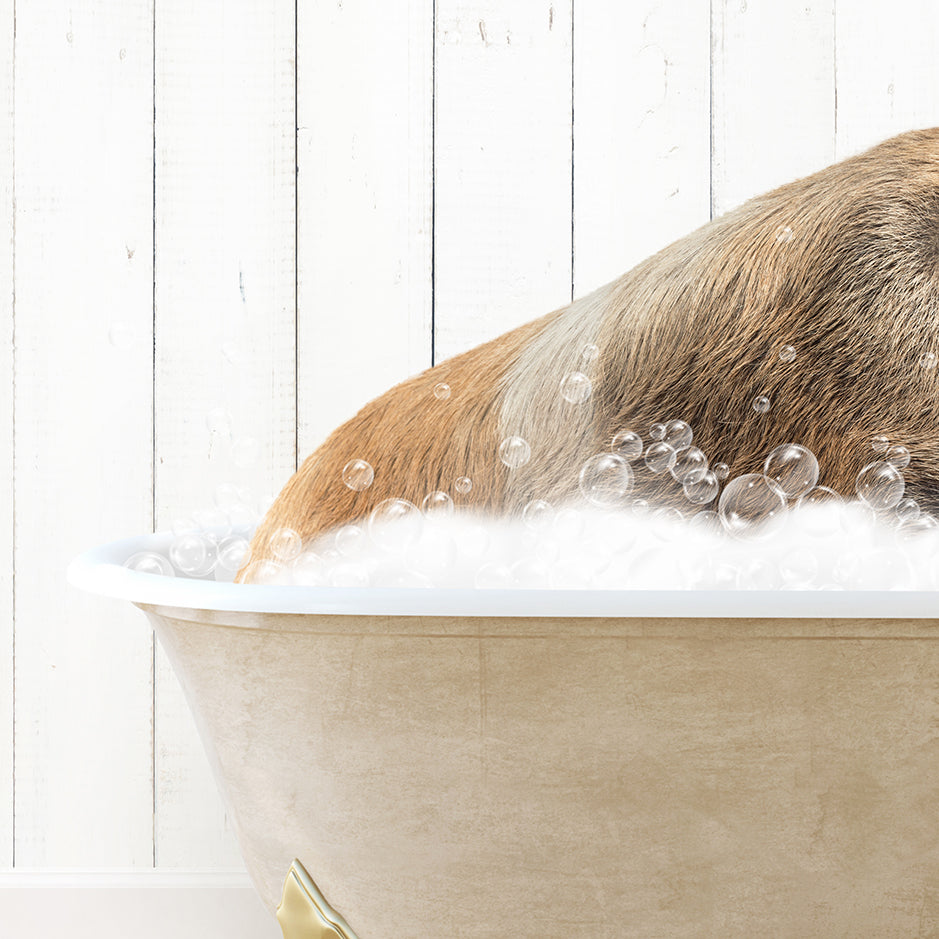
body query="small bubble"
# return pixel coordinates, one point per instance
(358, 475)
(898, 457)
(787, 353)
(192, 554)
(660, 457)
(348, 540)
(880, 485)
(285, 544)
(690, 462)
(605, 479)
(264, 572)
(628, 445)
(880, 443)
(537, 514)
(576, 387)
(590, 354)
(700, 487)
(463, 485)
(514, 452)
(907, 510)
(793, 468)
(783, 235)
(437, 504)
(233, 553)
(441, 391)
(761, 404)
(150, 562)
(657, 431)
(721, 470)
(245, 452)
(928, 360)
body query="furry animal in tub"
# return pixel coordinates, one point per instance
(842, 265)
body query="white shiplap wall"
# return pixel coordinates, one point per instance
(192, 236)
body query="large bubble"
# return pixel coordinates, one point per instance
(605, 479)
(751, 506)
(880, 485)
(793, 468)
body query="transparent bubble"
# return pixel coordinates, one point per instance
(150, 562)
(285, 544)
(664, 521)
(395, 524)
(761, 404)
(265, 572)
(441, 391)
(880, 443)
(348, 575)
(358, 475)
(707, 521)
(899, 457)
(568, 524)
(799, 567)
(576, 387)
(245, 452)
(787, 353)
(514, 452)
(678, 435)
(783, 235)
(213, 522)
(657, 432)
(660, 457)
(701, 488)
(435, 551)
(437, 504)
(751, 505)
(493, 576)
(349, 540)
(463, 485)
(907, 510)
(309, 570)
(233, 553)
(928, 360)
(912, 528)
(590, 354)
(192, 554)
(690, 462)
(538, 514)
(628, 445)
(721, 470)
(880, 485)
(820, 495)
(605, 479)
(218, 421)
(793, 468)
(759, 574)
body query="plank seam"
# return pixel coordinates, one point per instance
(13, 447)
(153, 448)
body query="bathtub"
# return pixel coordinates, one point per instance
(540, 764)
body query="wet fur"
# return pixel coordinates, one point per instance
(693, 333)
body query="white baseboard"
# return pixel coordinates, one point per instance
(141, 904)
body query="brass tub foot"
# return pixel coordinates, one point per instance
(304, 913)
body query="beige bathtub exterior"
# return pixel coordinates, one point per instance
(460, 778)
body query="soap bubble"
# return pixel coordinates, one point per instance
(576, 387)
(928, 360)
(660, 457)
(590, 354)
(820, 495)
(358, 475)
(880, 485)
(213, 522)
(689, 462)
(628, 445)
(538, 514)
(441, 391)
(783, 235)
(264, 571)
(245, 452)
(907, 510)
(233, 553)
(568, 524)
(708, 521)
(349, 540)
(678, 435)
(514, 452)
(787, 353)
(437, 504)
(308, 570)
(605, 479)
(799, 567)
(700, 487)
(750, 505)
(721, 471)
(899, 457)
(463, 485)
(914, 527)
(793, 468)
(657, 431)
(761, 404)
(285, 544)
(193, 554)
(242, 517)
(880, 443)
(394, 524)
(348, 575)
(150, 562)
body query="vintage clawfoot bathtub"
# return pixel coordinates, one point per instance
(545, 764)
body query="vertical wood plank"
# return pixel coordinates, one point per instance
(773, 95)
(83, 454)
(365, 113)
(6, 434)
(502, 167)
(225, 322)
(888, 71)
(642, 152)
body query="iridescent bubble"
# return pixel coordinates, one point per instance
(538, 514)
(349, 540)
(721, 470)
(233, 553)
(793, 468)
(898, 457)
(463, 485)
(678, 435)
(395, 524)
(689, 462)
(628, 445)
(218, 421)
(880, 443)
(928, 360)
(660, 457)
(358, 475)
(150, 562)
(192, 554)
(514, 452)
(907, 510)
(576, 387)
(761, 404)
(787, 353)
(700, 488)
(245, 452)
(441, 391)
(751, 505)
(783, 235)
(605, 479)
(437, 504)
(880, 485)
(285, 544)
(657, 431)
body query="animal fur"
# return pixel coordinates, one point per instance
(692, 333)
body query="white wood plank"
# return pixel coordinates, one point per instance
(225, 321)
(502, 223)
(642, 149)
(83, 454)
(6, 434)
(365, 113)
(773, 95)
(888, 71)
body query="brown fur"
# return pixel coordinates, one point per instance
(692, 333)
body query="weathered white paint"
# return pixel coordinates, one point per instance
(773, 95)
(888, 71)
(642, 152)
(502, 167)
(364, 97)
(6, 434)
(225, 310)
(83, 132)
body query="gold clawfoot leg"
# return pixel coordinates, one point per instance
(304, 913)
